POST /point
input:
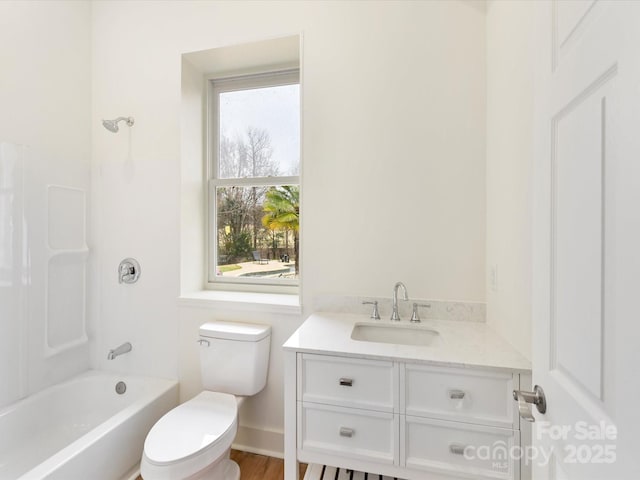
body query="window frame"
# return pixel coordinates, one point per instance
(215, 86)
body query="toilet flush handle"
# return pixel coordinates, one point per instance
(203, 342)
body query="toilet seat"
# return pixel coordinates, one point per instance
(192, 436)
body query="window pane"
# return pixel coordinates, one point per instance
(257, 232)
(259, 132)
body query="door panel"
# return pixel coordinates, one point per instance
(578, 166)
(569, 19)
(586, 232)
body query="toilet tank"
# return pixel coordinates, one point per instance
(234, 357)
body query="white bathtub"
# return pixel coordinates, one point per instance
(82, 429)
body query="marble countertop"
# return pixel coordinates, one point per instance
(461, 344)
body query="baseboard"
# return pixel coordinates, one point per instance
(259, 441)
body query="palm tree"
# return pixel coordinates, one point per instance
(282, 212)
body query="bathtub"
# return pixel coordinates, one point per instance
(82, 429)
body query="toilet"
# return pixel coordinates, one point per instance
(193, 440)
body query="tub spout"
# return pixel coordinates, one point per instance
(122, 349)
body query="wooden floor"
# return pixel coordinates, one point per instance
(259, 467)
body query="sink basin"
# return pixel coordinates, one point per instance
(397, 334)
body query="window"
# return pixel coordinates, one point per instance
(254, 186)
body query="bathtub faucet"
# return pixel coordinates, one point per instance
(122, 349)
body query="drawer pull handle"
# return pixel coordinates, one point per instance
(347, 432)
(456, 394)
(346, 382)
(457, 448)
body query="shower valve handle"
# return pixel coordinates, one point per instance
(128, 271)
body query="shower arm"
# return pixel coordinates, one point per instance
(129, 120)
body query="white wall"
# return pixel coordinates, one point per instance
(393, 178)
(509, 157)
(45, 98)
(45, 88)
(393, 166)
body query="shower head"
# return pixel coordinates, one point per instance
(112, 125)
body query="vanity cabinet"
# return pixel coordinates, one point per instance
(348, 382)
(406, 420)
(449, 411)
(348, 407)
(481, 397)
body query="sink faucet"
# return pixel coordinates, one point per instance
(122, 349)
(394, 314)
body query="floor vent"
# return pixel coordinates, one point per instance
(325, 472)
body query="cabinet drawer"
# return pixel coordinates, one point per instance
(366, 435)
(348, 382)
(459, 395)
(458, 448)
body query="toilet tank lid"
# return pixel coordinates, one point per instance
(247, 332)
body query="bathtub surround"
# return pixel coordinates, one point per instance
(12, 299)
(45, 131)
(44, 271)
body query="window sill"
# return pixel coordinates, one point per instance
(266, 302)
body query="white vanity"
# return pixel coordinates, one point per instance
(402, 410)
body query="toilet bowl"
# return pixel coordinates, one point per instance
(193, 440)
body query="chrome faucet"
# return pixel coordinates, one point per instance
(394, 313)
(121, 350)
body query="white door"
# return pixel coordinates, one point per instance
(586, 245)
